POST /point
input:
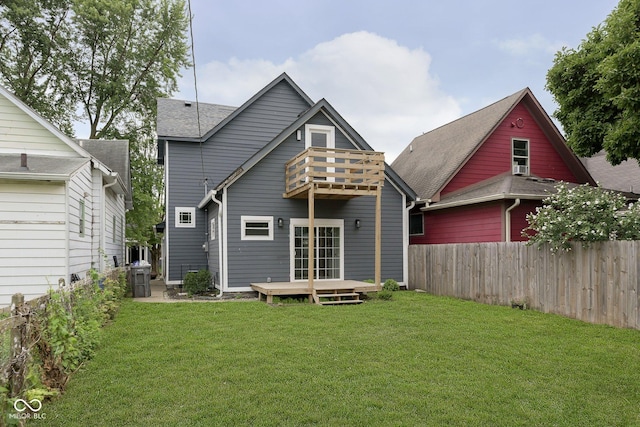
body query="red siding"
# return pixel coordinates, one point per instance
(494, 156)
(519, 218)
(479, 223)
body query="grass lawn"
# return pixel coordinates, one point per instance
(415, 360)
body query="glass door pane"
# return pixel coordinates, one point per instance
(327, 253)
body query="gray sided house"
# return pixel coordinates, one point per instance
(238, 198)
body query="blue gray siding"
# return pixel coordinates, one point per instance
(248, 132)
(259, 192)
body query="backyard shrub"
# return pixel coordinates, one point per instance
(197, 282)
(582, 214)
(391, 285)
(385, 294)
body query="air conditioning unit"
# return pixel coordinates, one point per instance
(520, 170)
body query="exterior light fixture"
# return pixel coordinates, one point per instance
(280, 222)
(299, 135)
(357, 223)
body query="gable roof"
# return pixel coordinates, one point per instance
(114, 154)
(327, 109)
(432, 159)
(213, 117)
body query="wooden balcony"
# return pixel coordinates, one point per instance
(332, 173)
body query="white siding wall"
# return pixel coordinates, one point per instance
(80, 188)
(27, 135)
(114, 238)
(32, 238)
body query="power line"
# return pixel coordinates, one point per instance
(195, 85)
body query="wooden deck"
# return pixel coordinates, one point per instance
(335, 287)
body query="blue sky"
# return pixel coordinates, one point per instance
(393, 69)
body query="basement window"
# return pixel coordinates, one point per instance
(185, 217)
(256, 227)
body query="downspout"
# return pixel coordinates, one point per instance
(103, 222)
(219, 224)
(405, 243)
(507, 220)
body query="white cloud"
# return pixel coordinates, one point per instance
(526, 46)
(384, 90)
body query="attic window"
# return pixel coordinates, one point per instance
(520, 156)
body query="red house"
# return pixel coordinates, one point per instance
(479, 176)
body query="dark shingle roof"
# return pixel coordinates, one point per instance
(115, 155)
(503, 186)
(432, 158)
(623, 177)
(40, 165)
(177, 118)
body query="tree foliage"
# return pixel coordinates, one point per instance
(597, 87)
(583, 214)
(102, 63)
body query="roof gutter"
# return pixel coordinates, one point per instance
(483, 199)
(22, 176)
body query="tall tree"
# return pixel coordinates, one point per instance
(597, 87)
(103, 63)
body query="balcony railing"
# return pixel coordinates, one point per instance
(334, 173)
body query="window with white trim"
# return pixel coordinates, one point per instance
(520, 156)
(185, 217)
(256, 227)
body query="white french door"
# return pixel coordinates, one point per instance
(328, 249)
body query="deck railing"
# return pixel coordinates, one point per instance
(334, 171)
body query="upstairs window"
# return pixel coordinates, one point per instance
(185, 217)
(520, 156)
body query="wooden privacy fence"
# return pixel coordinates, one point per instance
(599, 284)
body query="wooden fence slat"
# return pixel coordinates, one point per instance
(599, 284)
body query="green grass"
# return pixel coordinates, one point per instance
(415, 360)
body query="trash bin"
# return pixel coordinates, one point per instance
(140, 276)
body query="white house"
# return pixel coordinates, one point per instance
(62, 202)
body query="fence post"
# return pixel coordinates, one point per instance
(16, 374)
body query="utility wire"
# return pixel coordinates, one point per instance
(195, 85)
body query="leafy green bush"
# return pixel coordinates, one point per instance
(583, 214)
(197, 282)
(385, 294)
(391, 285)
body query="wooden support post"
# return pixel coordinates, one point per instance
(16, 378)
(378, 238)
(312, 231)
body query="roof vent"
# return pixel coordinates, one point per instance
(187, 103)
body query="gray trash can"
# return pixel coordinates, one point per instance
(140, 277)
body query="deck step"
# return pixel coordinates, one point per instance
(329, 295)
(343, 301)
(335, 296)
